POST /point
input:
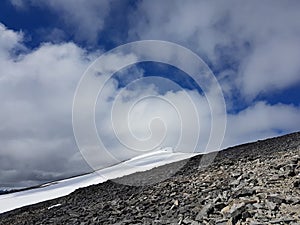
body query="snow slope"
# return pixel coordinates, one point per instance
(64, 187)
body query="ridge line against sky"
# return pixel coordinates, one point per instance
(252, 47)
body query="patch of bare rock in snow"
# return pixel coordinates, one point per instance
(256, 183)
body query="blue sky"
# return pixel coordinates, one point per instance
(253, 48)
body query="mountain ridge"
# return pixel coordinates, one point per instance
(254, 183)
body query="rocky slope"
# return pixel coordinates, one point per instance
(256, 183)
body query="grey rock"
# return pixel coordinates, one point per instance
(242, 186)
(283, 220)
(278, 199)
(204, 211)
(271, 205)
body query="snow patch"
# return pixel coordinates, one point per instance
(64, 187)
(53, 206)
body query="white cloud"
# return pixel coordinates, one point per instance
(9, 40)
(36, 92)
(155, 120)
(260, 38)
(271, 67)
(261, 120)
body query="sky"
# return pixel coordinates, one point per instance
(252, 48)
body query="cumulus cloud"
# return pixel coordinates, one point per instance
(258, 41)
(9, 41)
(36, 91)
(261, 120)
(271, 67)
(146, 120)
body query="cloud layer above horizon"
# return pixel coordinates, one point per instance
(252, 47)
